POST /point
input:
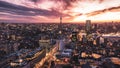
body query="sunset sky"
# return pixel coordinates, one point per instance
(51, 10)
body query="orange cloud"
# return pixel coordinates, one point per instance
(111, 9)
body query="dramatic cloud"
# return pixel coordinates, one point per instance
(67, 3)
(22, 10)
(112, 9)
(51, 10)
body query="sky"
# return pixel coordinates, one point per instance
(51, 10)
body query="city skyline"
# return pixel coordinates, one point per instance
(51, 10)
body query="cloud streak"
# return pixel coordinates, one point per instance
(111, 9)
(22, 10)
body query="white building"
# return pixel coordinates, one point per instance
(61, 45)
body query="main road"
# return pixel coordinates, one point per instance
(49, 56)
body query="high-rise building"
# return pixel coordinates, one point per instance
(88, 26)
(61, 45)
(94, 28)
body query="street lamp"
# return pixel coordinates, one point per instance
(20, 60)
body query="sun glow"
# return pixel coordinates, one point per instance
(109, 16)
(80, 18)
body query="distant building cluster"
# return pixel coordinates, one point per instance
(14, 35)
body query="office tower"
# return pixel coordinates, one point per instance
(88, 26)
